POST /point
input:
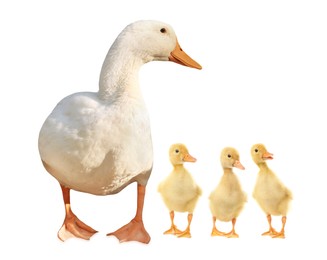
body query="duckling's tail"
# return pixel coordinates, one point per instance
(289, 194)
(199, 191)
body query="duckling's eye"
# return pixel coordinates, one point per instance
(176, 151)
(229, 156)
(256, 150)
(163, 30)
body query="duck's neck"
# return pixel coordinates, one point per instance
(119, 74)
(228, 170)
(178, 167)
(263, 166)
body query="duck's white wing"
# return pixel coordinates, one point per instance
(84, 140)
(74, 132)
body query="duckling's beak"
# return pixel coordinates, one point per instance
(267, 156)
(180, 57)
(238, 165)
(189, 158)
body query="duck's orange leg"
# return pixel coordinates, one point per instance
(281, 234)
(232, 234)
(134, 230)
(72, 226)
(173, 229)
(187, 231)
(271, 231)
(215, 231)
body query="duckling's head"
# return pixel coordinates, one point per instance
(178, 154)
(155, 40)
(230, 158)
(260, 154)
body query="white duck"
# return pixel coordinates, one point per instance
(100, 142)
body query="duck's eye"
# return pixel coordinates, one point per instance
(176, 151)
(256, 150)
(229, 156)
(163, 30)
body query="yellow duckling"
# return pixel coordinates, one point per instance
(228, 198)
(179, 191)
(270, 193)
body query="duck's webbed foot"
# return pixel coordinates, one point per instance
(73, 227)
(133, 231)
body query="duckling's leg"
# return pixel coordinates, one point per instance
(173, 229)
(134, 230)
(215, 231)
(72, 226)
(187, 231)
(281, 234)
(271, 231)
(232, 234)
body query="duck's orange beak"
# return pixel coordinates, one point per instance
(238, 165)
(180, 57)
(267, 156)
(189, 158)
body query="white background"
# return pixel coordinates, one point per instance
(263, 80)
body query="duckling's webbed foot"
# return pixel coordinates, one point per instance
(173, 231)
(216, 232)
(279, 235)
(271, 232)
(231, 234)
(186, 233)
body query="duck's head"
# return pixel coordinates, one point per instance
(154, 40)
(260, 154)
(178, 154)
(230, 158)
